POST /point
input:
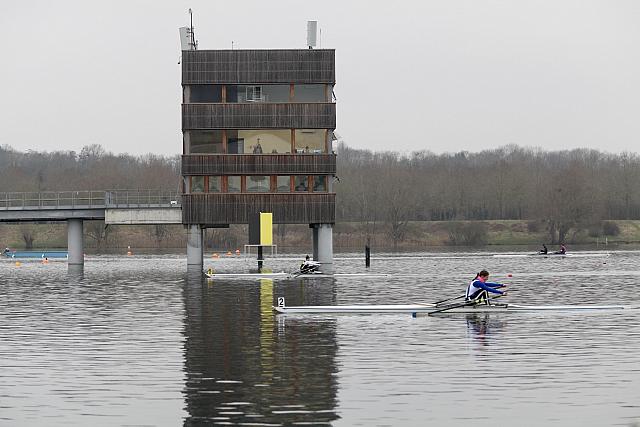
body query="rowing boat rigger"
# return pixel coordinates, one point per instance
(434, 308)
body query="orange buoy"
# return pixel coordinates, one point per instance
(215, 255)
(228, 253)
(18, 263)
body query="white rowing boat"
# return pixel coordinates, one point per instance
(284, 275)
(552, 255)
(280, 275)
(430, 308)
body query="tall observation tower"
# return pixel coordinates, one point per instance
(257, 137)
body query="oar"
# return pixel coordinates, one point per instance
(452, 306)
(449, 299)
(463, 304)
(296, 274)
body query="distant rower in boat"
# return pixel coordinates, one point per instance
(562, 251)
(544, 250)
(480, 287)
(309, 267)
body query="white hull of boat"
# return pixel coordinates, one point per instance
(428, 308)
(572, 255)
(283, 275)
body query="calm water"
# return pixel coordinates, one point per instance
(139, 341)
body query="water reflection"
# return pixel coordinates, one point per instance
(244, 365)
(138, 342)
(481, 327)
(75, 273)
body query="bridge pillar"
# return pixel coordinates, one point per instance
(315, 241)
(324, 243)
(75, 245)
(195, 245)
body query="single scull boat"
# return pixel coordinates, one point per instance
(284, 275)
(430, 308)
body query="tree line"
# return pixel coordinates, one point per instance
(562, 191)
(93, 168)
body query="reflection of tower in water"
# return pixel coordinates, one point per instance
(266, 329)
(242, 364)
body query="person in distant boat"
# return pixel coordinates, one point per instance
(562, 251)
(544, 250)
(480, 288)
(305, 263)
(6, 251)
(309, 266)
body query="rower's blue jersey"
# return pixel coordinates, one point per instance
(478, 284)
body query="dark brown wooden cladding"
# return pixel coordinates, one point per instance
(258, 66)
(259, 164)
(259, 116)
(219, 209)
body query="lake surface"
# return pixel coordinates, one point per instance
(140, 341)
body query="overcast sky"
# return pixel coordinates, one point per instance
(444, 75)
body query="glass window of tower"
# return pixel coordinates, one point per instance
(197, 184)
(215, 184)
(310, 93)
(259, 141)
(301, 183)
(234, 184)
(283, 184)
(203, 93)
(203, 141)
(320, 184)
(311, 141)
(257, 93)
(258, 184)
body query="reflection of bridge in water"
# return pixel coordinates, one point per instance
(117, 207)
(243, 364)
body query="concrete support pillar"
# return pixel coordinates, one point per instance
(195, 245)
(325, 247)
(75, 245)
(315, 241)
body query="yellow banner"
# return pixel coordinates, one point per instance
(266, 228)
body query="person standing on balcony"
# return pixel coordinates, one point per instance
(258, 148)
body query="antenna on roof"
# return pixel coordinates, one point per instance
(187, 36)
(312, 31)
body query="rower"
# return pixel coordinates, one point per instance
(479, 288)
(309, 266)
(544, 250)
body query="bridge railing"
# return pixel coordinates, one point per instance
(52, 199)
(88, 199)
(142, 198)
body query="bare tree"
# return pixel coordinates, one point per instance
(98, 231)
(28, 234)
(160, 233)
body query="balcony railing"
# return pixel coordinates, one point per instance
(259, 164)
(222, 209)
(259, 116)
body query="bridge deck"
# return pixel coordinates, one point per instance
(153, 206)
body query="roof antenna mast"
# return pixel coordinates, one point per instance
(194, 43)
